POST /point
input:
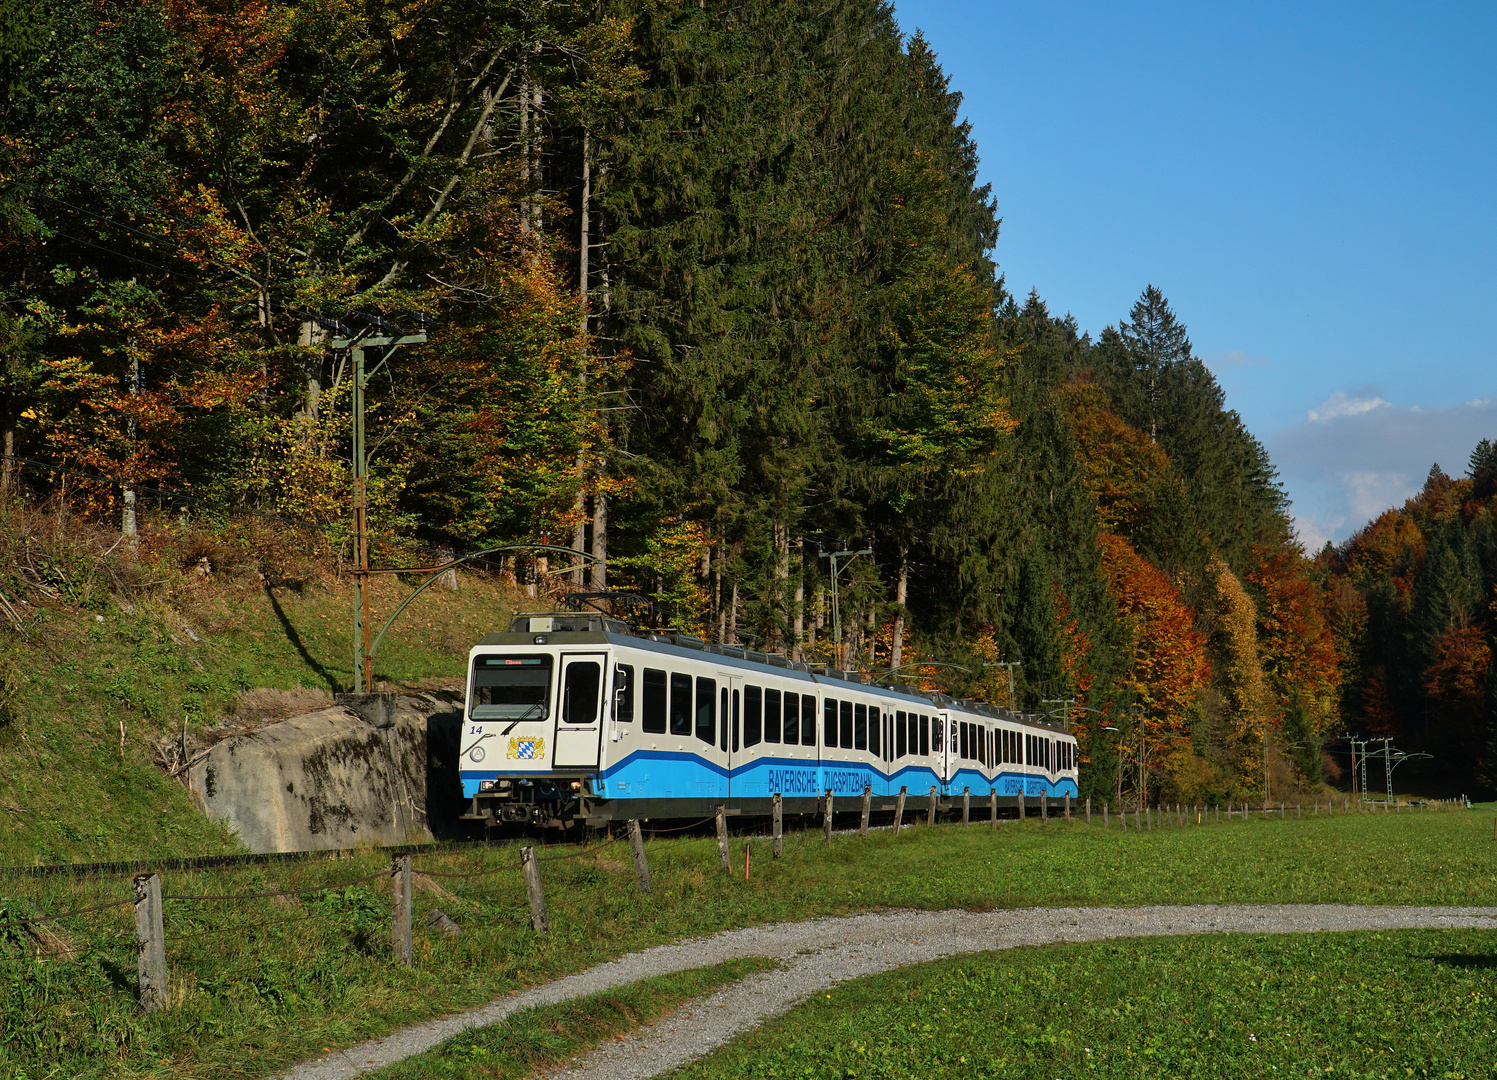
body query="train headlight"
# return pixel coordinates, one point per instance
(487, 785)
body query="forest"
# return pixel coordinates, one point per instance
(712, 292)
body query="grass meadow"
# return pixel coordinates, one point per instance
(259, 984)
(1415, 1003)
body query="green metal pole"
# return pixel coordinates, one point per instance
(360, 533)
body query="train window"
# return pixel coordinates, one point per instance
(706, 714)
(963, 742)
(511, 687)
(860, 726)
(937, 727)
(680, 704)
(828, 722)
(736, 707)
(753, 715)
(808, 720)
(888, 736)
(982, 745)
(844, 727)
(791, 721)
(579, 697)
(771, 715)
(925, 736)
(901, 736)
(722, 722)
(873, 726)
(623, 694)
(653, 701)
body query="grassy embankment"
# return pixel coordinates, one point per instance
(263, 983)
(1414, 1003)
(94, 687)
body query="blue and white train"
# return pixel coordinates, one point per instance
(576, 718)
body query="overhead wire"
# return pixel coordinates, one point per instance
(153, 237)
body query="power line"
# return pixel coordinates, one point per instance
(154, 237)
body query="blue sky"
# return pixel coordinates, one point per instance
(1313, 186)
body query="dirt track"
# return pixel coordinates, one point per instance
(820, 953)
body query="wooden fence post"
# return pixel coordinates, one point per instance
(1088, 809)
(1106, 812)
(899, 809)
(400, 909)
(930, 811)
(721, 815)
(150, 940)
(1068, 806)
(533, 890)
(967, 805)
(777, 826)
(1022, 812)
(1044, 806)
(641, 864)
(867, 809)
(992, 808)
(828, 814)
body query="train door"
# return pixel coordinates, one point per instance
(579, 721)
(729, 725)
(886, 766)
(946, 762)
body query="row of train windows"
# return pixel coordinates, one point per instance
(675, 703)
(678, 704)
(1001, 747)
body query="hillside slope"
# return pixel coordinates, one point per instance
(95, 692)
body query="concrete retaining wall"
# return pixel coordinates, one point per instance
(372, 769)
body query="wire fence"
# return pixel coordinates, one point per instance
(403, 873)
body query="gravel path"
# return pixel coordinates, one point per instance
(820, 953)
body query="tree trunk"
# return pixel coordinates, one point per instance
(798, 645)
(584, 222)
(600, 541)
(733, 615)
(311, 336)
(901, 591)
(579, 530)
(781, 580)
(8, 469)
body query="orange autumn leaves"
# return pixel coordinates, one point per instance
(1167, 662)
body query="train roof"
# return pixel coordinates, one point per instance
(571, 628)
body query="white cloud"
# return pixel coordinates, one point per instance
(1338, 404)
(1358, 454)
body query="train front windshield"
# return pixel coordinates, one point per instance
(511, 688)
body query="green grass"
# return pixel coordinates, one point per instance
(258, 985)
(1418, 1003)
(548, 1036)
(70, 792)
